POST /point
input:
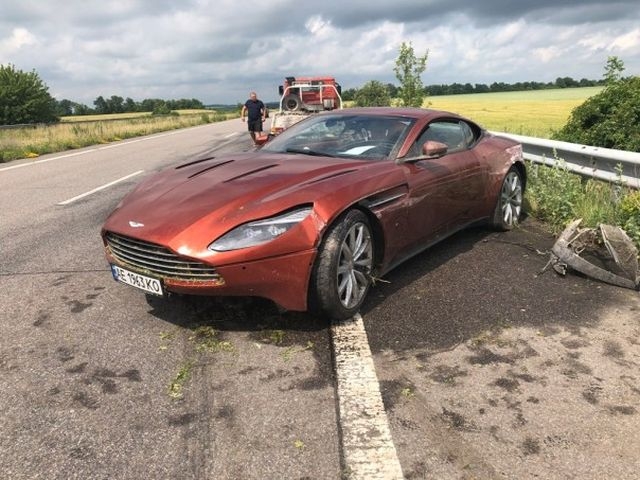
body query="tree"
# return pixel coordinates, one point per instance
(115, 104)
(101, 105)
(610, 119)
(613, 70)
(130, 105)
(64, 108)
(373, 94)
(24, 98)
(349, 94)
(408, 70)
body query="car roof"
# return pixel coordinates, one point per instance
(413, 112)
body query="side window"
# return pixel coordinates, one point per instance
(469, 134)
(453, 133)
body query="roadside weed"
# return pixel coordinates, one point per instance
(558, 196)
(276, 337)
(291, 351)
(204, 338)
(407, 392)
(176, 387)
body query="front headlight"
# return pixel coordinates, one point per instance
(259, 232)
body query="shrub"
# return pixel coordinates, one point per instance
(373, 94)
(558, 196)
(610, 119)
(161, 108)
(630, 215)
(553, 192)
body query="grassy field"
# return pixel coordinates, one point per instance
(83, 131)
(535, 113)
(126, 116)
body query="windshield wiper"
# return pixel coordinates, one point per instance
(308, 151)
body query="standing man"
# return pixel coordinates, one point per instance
(255, 111)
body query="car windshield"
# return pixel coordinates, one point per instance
(371, 137)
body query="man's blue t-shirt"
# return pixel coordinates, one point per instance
(254, 109)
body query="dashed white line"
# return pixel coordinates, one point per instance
(102, 187)
(367, 446)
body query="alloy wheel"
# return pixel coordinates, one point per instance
(511, 199)
(354, 265)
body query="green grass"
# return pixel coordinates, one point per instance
(97, 129)
(558, 197)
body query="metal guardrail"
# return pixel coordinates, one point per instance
(602, 163)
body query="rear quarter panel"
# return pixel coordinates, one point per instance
(497, 155)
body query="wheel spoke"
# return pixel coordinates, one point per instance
(508, 214)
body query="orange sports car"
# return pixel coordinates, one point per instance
(310, 219)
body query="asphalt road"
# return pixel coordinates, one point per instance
(486, 369)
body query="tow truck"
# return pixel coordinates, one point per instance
(301, 97)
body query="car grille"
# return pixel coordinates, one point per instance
(157, 260)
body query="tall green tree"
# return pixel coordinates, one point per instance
(101, 105)
(408, 70)
(373, 94)
(24, 98)
(613, 70)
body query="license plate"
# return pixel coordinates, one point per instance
(148, 284)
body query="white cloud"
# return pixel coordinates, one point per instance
(218, 50)
(626, 42)
(20, 37)
(546, 54)
(318, 27)
(509, 33)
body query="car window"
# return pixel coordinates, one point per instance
(354, 136)
(456, 134)
(468, 134)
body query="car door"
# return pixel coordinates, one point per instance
(444, 192)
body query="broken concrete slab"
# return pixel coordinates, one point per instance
(605, 253)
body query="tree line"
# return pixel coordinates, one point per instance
(117, 104)
(435, 90)
(25, 99)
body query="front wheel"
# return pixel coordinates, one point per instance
(509, 205)
(344, 266)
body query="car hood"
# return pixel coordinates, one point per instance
(214, 195)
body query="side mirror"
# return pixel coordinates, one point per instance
(433, 149)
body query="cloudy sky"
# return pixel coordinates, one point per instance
(219, 50)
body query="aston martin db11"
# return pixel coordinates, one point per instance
(312, 218)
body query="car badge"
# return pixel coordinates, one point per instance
(135, 224)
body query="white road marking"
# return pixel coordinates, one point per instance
(102, 187)
(47, 159)
(234, 134)
(368, 449)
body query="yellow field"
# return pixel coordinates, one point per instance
(535, 113)
(88, 130)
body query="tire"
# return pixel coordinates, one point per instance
(342, 274)
(291, 103)
(509, 205)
